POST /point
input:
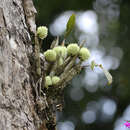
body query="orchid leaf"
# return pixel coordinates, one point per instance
(70, 25)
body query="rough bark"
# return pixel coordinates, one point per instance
(16, 91)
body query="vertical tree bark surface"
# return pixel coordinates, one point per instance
(16, 99)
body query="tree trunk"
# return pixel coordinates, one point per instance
(17, 104)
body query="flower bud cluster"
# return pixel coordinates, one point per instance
(61, 61)
(71, 50)
(83, 53)
(49, 81)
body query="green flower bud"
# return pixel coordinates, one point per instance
(73, 49)
(64, 51)
(42, 32)
(50, 55)
(84, 54)
(61, 50)
(55, 80)
(60, 61)
(48, 81)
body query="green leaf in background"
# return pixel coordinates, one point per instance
(70, 25)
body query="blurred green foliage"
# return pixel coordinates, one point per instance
(120, 92)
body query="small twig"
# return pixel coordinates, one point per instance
(63, 42)
(68, 67)
(38, 84)
(55, 43)
(54, 67)
(82, 43)
(67, 76)
(62, 67)
(37, 57)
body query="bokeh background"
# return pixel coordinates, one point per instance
(90, 104)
